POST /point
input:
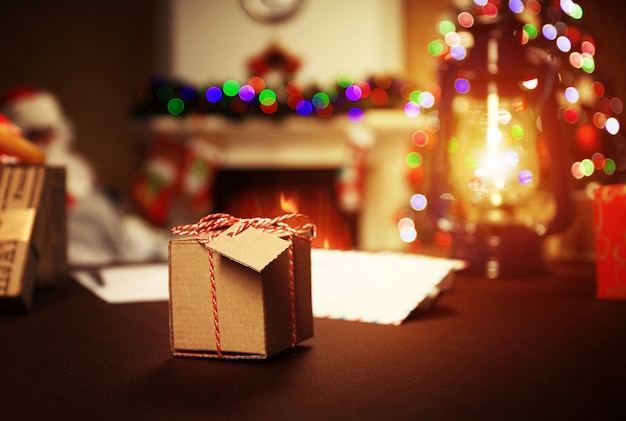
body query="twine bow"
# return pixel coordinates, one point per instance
(210, 226)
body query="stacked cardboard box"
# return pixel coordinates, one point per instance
(33, 232)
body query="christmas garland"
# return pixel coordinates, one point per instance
(255, 97)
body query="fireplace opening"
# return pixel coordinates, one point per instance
(248, 193)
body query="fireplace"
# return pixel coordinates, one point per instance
(248, 193)
(269, 167)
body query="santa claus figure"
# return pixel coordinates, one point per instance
(98, 231)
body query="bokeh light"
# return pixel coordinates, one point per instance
(571, 95)
(320, 100)
(414, 159)
(462, 85)
(355, 115)
(564, 44)
(570, 115)
(258, 84)
(598, 160)
(588, 48)
(304, 108)
(267, 97)
(436, 47)
(419, 202)
(599, 120)
(213, 94)
(572, 9)
(589, 64)
(295, 87)
(406, 227)
(366, 89)
(586, 136)
(452, 39)
(412, 109)
(612, 125)
(577, 171)
(426, 99)
(379, 97)
(175, 106)
(187, 93)
(325, 112)
(445, 27)
(420, 138)
(617, 106)
(576, 60)
(533, 6)
(353, 92)
(525, 177)
(549, 31)
(344, 80)
(269, 109)
(516, 6)
(465, 19)
(609, 166)
(490, 10)
(246, 92)
(230, 88)
(530, 30)
(517, 132)
(458, 52)
(587, 167)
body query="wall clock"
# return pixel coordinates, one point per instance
(271, 11)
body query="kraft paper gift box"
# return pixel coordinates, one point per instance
(610, 238)
(33, 233)
(256, 303)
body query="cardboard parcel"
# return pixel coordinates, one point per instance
(256, 301)
(33, 234)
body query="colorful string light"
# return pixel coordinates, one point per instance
(592, 118)
(239, 99)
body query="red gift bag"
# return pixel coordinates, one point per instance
(610, 237)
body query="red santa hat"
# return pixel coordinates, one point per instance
(32, 109)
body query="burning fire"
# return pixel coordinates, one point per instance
(330, 233)
(288, 204)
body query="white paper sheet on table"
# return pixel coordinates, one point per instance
(128, 283)
(381, 287)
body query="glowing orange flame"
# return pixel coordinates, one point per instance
(288, 204)
(326, 244)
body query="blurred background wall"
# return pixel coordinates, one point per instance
(91, 55)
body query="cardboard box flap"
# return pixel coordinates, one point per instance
(251, 247)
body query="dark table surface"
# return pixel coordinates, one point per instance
(541, 348)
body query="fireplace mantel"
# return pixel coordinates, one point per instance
(316, 143)
(291, 142)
